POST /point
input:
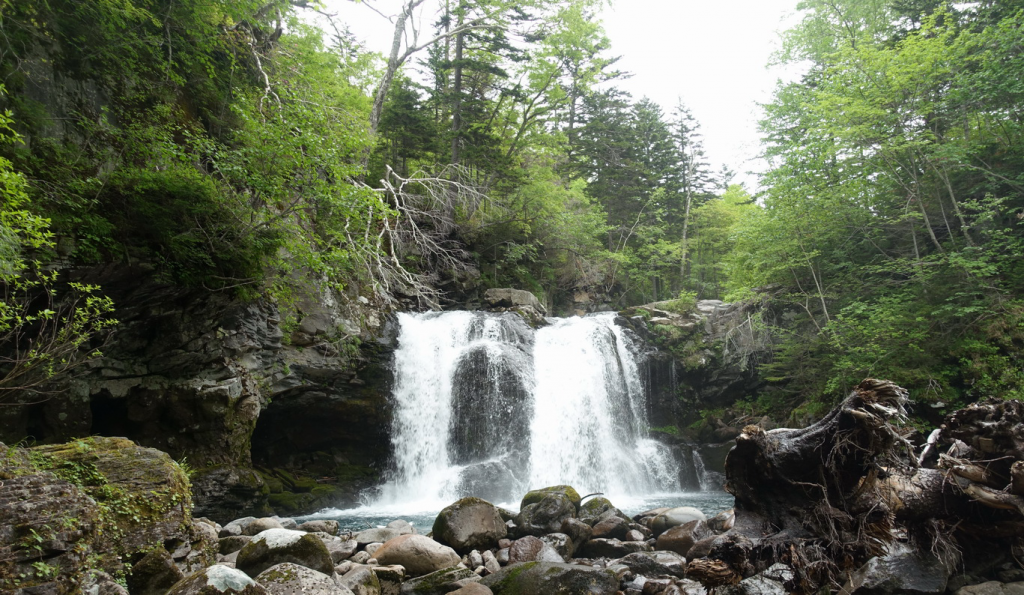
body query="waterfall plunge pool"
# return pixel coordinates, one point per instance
(368, 517)
(486, 406)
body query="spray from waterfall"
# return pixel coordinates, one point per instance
(486, 406)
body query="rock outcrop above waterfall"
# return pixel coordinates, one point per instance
(706, 358)
(520, 301)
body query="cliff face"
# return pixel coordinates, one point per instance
(260, 415)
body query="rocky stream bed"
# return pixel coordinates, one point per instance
(846, 505)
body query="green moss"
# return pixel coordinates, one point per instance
(534, 496)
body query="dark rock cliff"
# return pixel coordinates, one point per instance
(300, 419)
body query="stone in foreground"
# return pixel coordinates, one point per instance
(469, 524)
(291, 579)
(276, 546)
(417, 553)
(552, 577)
(218, 580)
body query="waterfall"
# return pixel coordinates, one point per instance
(486, 406)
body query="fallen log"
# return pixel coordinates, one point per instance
(849, 489)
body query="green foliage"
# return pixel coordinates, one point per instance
(890, 226)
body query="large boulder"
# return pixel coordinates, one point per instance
(144, 493)
(535, 496)
(513, 298)
(546, 515)
(275, 546)
(530, 549)
(218, 580)
(596, 509)
(674, 517)
(611, 527)
(552, 577)
(417, 553)
(682, 538)
(469, 524)
(291, 579)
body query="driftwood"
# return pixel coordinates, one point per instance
(828, 498)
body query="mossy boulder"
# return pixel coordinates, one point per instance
(144, 494)
(534, 496)
(546, 515)
(595, 509)
(552, 577)
(469, 524)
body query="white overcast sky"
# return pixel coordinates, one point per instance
(711, 54)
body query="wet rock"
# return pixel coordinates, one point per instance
(218, 580)
(681, 539)
(612, 548)
(674, 517)
(468, 524)
(360, 580)
(292, 579)
(905, 571)
(546, 515)
(577, 530)
(552, 577)
(438, 582)
(417, 553)
(321, 526)
(722, 521)
(154, 574)
(561, 543)
(276, 546)
(592, 511)
(612, 528)
(535, 496)
(524, 549)
(652, 564)
(772, 581)
(993, 588)
(634, 535)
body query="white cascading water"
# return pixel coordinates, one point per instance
(485, 406)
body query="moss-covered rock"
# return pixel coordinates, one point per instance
(552, 577)
(534, 496)
(144, 496)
